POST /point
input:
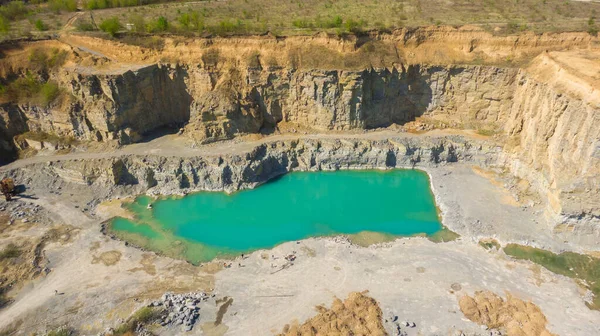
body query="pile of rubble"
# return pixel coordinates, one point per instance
(180, 309)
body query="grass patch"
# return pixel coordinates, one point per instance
(149, 42)
(368, 238)
(4, 25)
(85, 26)
(43, 60)
(489, 244)
(444, 235)
(9, 252)
(142, 316)
(307, 16)
(570, 264)
(58, 6)
(45, 137)
(63, 331)
(29, 90)
(486, 132)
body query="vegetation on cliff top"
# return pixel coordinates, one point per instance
(298, 17)
(341, 16)
(33, 87)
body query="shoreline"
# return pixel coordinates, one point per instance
(472, 205)
(106, 229)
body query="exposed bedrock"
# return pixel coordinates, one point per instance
(548, 123)
(218, 104)
(133, 174)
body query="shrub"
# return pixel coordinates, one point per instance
(40, 60)
(62, 5)
(96, 4)
(101, 4)
(60, 332)
(302, 23)
(4, 25)
(143, 316)
(14, 10)
(48, 93)
(227, 27)
(354, 26)
(161, 24)
(592, 29)
(40, 25)
(335, 22)
(28, 90)
(150, 42)
(85, 26)
(197, 21)
(110, 26)
(184, 20)
(191, 21)
(138, 22)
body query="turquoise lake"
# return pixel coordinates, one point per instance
(298, 205)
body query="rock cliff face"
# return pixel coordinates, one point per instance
(231, 172)
(106, 106)
(555, 142)
(546, 115)
(216, 104)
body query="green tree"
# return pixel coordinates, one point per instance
(184, 20)
(197, 21)
(161, 24)
(110, 26)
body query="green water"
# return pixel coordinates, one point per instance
(204, 225)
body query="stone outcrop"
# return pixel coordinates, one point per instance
(553, 131)
(174, 175)
(124, 105)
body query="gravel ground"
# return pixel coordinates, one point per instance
(101, 281)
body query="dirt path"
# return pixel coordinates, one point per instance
(72, 20)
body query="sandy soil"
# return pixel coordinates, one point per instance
(516, 316)
(358, 315)
(102, 281)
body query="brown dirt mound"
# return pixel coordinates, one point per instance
(358, 315)
(515, 316)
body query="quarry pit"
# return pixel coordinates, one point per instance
(506, 127)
